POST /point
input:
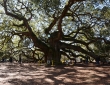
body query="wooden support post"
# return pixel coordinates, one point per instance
(52, 63)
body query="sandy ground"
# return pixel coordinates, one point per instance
(33, 74)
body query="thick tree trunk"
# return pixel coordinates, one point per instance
(53, 55)
(57, 54)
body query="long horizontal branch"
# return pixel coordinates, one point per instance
(77, 48)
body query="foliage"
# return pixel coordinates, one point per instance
(56, 27)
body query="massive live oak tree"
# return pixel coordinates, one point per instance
(70, 28)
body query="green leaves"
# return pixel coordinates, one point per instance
(47, 5)
(84, 24)
(105, 12)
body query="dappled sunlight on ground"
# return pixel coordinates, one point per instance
(33, 74)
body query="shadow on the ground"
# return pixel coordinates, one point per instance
(33, 74)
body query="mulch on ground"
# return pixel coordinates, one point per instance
(34, 74)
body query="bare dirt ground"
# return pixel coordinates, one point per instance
(33, 74)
